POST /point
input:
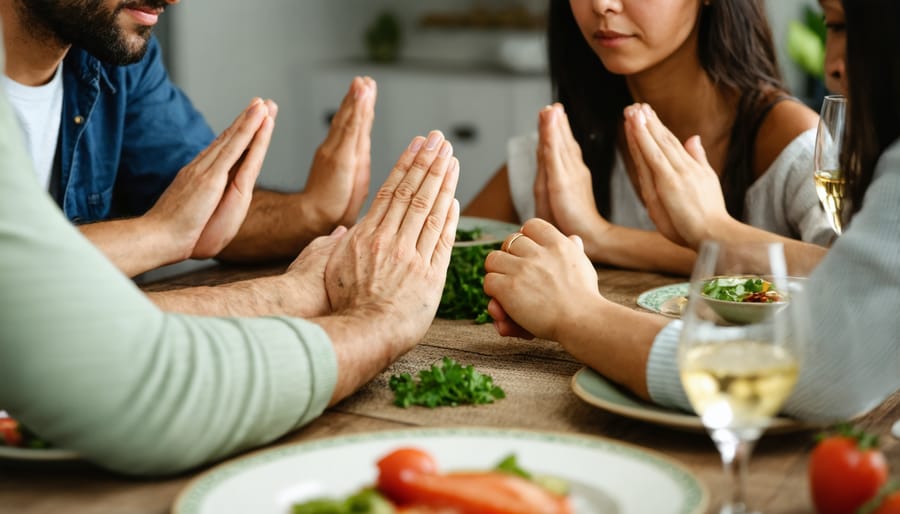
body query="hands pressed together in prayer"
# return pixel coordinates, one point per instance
(680, 189)
(563, 189)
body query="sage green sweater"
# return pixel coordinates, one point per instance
(88, 362)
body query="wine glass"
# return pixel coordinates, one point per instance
(737, 372)
(828, 175)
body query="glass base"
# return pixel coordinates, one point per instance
(737, 509)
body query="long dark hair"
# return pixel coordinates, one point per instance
(735, 48)
(873, 73)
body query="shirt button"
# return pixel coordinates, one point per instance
(79, 120)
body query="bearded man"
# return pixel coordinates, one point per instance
(127, 157)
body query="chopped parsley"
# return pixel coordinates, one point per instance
(447, 384)
(463, 296)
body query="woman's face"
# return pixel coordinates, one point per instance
(835, 46)
(631, 36)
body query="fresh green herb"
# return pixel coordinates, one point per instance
(555, 485)
(366, 501)
(447, 384)
(463, 296)
(510, 465)
(468, 235)
(740, 290)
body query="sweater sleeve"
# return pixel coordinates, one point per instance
(89, 363)
(852, 357)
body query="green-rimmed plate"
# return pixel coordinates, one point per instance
(666, 300)
(492, 231)
(36, 454)
(605, 476)
(591, 387)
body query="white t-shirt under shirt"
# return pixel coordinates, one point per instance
(783, 200)
(39, 112)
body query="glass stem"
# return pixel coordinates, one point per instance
(735, 451)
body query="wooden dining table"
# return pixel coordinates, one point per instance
(536, 376)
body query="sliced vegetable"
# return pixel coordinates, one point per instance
(488, 492)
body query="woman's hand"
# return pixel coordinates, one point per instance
(563, 190)
(680, 189)
(538, 280)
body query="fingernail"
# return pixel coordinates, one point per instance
(339, 230)
(416, 144)
(446, 148)
(640, 118)
(433, 139)
(361, 91)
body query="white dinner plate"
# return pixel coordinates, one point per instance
(665, 300)
(594, 389)
(605, 476)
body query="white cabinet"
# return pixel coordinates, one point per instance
(477, 110)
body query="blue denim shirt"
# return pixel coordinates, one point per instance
(125, 133)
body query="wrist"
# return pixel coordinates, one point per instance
(314, 217)
(598, 232)
(718, 229)
(585, 316)
(168, 244)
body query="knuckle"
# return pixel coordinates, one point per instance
(384, 193)
(420, 204)
(404, 192)
(434, 223)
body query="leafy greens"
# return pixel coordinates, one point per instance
(447, 384)
(463, 296)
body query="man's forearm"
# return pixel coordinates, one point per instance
(278, 226)
(133, 245)
(279, 295)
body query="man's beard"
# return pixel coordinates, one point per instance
(88, 24)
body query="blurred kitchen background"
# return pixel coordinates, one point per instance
(473, 69)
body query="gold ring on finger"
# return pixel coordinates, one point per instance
(512, 240)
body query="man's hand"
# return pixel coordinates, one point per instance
(338, 180)
(391, 266)
(307, 274)
(204, 207)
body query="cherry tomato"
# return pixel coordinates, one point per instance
(397, 468)
(9, 432)
(842, 476)
(890, 504)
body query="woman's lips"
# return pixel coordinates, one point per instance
(610, 38)
(144, 15)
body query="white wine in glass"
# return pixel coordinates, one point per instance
(738, 374)
(829, 178)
